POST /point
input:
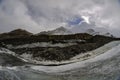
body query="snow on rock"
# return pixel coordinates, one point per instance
(110, 48)
(40, 44)
(4, 50)
(73, 40)
(80, 57)
(97, 51)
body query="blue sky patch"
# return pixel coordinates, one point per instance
(75, 21)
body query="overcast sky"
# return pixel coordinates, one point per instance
(39, 15)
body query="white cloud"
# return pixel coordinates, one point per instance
(86, 18)
(38, 15)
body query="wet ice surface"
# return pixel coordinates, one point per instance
(102, 67)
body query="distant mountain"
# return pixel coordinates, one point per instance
(57, 31)
(107, 34)
(93, 32)
(18, 33)
(81, 28)
(90, 29)
(15, 33)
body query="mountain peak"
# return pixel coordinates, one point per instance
(58, 31)
(92, 32)
(15, 33)
(61, 28)
(20, 32)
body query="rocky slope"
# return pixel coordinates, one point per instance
(52, 47)
(104, 66)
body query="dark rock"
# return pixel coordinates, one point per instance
(10, 60)
(15, 34)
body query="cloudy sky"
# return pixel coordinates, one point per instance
(39, 15)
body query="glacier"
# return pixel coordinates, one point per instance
(104, 64)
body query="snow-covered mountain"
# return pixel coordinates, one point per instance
(93, 32)
(57, 31)
(90, 29)
(81, 28)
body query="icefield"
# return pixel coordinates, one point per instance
(103, 64)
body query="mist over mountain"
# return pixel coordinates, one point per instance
(36, 16)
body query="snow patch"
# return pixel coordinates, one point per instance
(4, 50)
(42, 44)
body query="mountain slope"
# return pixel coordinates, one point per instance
(15, 33)
(58, 31)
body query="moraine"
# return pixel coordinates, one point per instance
(59, 57)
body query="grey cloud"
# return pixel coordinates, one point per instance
(38, 15)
